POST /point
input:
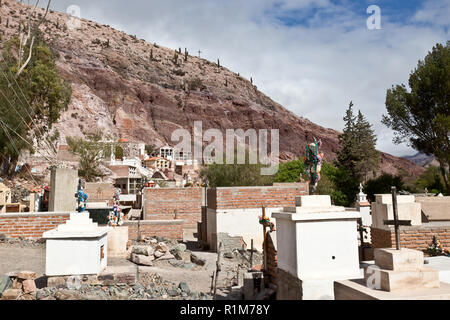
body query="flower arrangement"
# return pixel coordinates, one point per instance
(436, 249)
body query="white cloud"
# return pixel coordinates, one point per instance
(313, 70)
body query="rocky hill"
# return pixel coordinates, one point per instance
(136, 90)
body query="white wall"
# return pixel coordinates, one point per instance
(239, 222)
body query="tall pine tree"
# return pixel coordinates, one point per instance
(358, 154)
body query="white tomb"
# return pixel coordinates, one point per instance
(408, 209)
(317, 244)
(78, 247)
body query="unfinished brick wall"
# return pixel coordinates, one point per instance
(30, 225)
(417, 237)
(255, 197)
(161, 204)
(166, 229)
(272, 260)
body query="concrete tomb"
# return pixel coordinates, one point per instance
(117, 242)
(63, 187)
(396, 274)
(78, 247)
(382, 210)
(435, 208)
(317, 244)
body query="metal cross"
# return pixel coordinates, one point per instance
(396, 223)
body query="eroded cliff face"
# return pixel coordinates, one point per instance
(120, 90)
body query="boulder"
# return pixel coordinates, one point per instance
(11, 294)
(162, 247)
(184, 287)
(29, 286)
(166, 256)
(197, 260)
(158, 254)
(26, 275)
(181, 247)
(56, 282)
(142, 259)
(68, 295)
(143, 250)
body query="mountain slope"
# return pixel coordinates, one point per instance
(117, 88)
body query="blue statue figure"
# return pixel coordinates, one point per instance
(82, 198)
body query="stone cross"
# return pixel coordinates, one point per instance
(199, 52)
(396, 223)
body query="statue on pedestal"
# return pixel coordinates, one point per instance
(82, 197)
(313, 162)
(116, 215)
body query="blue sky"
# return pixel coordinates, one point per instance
(312, 56)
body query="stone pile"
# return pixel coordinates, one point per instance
(154, 252)
(18, 286)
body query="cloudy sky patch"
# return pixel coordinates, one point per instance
(312, 56)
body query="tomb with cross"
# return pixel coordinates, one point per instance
(396, 222)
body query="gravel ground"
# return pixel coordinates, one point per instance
(26, 255)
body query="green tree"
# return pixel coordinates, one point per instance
(432, 180)
(421, 115)
(382, 185)
(31, 102)
(235, 175)
(92, 151)
(358, 153)
(290, 171)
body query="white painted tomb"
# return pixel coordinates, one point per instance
(317, 244)
(408, 209)
(117, 242)
(78, 247)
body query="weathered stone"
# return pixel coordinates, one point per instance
(143, 250)
(189, 266)
(28, 296)
(173, 292)
(142, 259)
(166, 256)
(26, 275)
(197, 260)
(176, 263)
(158, 254)
(228, 255)
(181, 247)
(11, 294)
(29, 286)
(5, 283)
(184, 287)
(56, 282)
(162, 247)
(68, 295)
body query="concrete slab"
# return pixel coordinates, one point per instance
(443, 265)
(356, 290)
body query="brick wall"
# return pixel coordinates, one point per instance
(255, 197)
(416, 237)
(172, 229)
(160, 204)
(30, 225)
